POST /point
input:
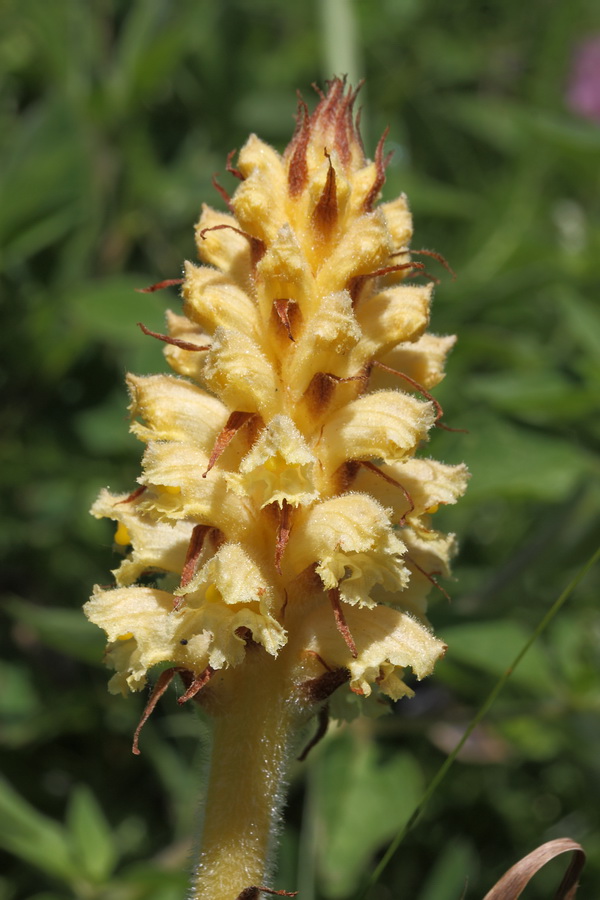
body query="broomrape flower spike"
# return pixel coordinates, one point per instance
(281, 495)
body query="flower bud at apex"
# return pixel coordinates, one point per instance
(285, 500)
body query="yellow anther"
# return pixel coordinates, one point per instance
(122, 535)
(275, 464)
(125, 637)
(212, 594)
(169, 489)
(433, 509)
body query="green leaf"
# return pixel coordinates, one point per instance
(582, 319)
(450, 873)
(40, 183)
(430, 197)
(32, 836)
(104, 429)
(510, 461)
(94, 848)
(536, 739)
(46, 230)
(109, 310)
(496, 121)
(364, 800)
(492, 646)
(19, 705)
(17, 693)
(66, 630)
(135, 52)
(153, 882)
(536, 397)
(48, 895)
(566, 134)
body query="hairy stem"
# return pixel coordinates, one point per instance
(256, 717)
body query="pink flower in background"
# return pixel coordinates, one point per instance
(583, 92)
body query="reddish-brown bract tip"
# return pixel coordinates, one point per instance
(298, 170)
(283, 533)
(381, 164)
(282, 308)
(176, 342)
(331, 126)
(193, 552)
(325, 213)
(168, 282)
(340, 622)
(235, 421)
(133, 495)
(257, 247)
(253, 893)
(377, 471)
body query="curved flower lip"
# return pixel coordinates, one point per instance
(230, 576)
(350, 541)
(283, 272)
(386, 425)
(174, 410)
(155, 545)
(239, 372)
(176, 490)
(422, 360)
(430, 551)
(387, 641)
(230, 593)
(422, 486)
(212, 301)
(259, 200)
(398, 220)
(365, 247)
(226, 249)
(185, 362)
(395, 315)
(327, 345)
(141, 628)
(278, 468)
(227, 596)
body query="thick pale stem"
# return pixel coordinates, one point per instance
(255, 719)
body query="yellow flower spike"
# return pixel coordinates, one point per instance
(283, 504)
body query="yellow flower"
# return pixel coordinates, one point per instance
(281, 491)
(284, 508)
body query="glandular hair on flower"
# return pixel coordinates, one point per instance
(285, 503)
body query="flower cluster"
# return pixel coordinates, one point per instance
(281, 502)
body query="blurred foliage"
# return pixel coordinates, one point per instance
(114, 114)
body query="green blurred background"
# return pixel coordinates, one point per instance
(114, 114)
